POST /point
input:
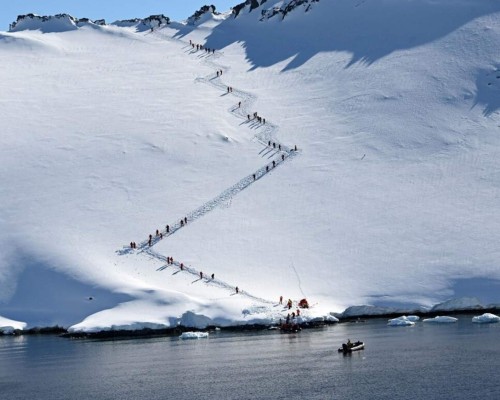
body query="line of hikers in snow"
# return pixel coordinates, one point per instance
(255, 116)
(170, 261)
(159, 234)
(229, 89)
(201, 47)
(274, 163)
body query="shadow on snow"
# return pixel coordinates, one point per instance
(368, 31)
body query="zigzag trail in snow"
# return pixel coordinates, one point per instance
(267, 131)
(209, 281)
(264, 135)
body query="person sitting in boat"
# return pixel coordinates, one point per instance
(349, 343)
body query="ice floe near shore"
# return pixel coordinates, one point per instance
(441, 320)
(486, 318)
(403, 321)
(194, 335)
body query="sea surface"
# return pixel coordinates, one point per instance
(452, 361)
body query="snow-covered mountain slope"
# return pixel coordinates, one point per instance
(114, 131)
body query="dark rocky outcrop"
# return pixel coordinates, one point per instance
(282, 10)
(200, 13)
(252, 3)
(286, 8)
(58, 17)
(156, 20)
(153, 21)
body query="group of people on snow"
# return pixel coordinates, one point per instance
(170, 261)
(159, 234)
(257, 117)
(201, 47)
(291, 319)
(184, 221)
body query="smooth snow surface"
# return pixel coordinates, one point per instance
(465, 303)
(112, 132)
(441, 320)
(486, 318)
(7, 326)
(194, 335)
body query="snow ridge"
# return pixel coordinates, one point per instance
(56, 23)
(66, 22)
(153, 21)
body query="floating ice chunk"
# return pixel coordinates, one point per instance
(400, 321)
(194, 335)
(486, 318)
(441, 320)
(413, 318)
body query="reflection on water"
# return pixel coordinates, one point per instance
(453, 361)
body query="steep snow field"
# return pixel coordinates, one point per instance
(109, 133)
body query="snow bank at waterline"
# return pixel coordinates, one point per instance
(8, 326)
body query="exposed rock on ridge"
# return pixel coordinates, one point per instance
(62, 22)
(283, 9)
(200, 13)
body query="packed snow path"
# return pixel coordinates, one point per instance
(265, 136)
(206, 278)
(272, 149)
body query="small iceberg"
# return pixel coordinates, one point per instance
(401, 321)
(486, 318)
(441, 320)
(194, 335)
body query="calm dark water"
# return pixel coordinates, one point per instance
(457, 361)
